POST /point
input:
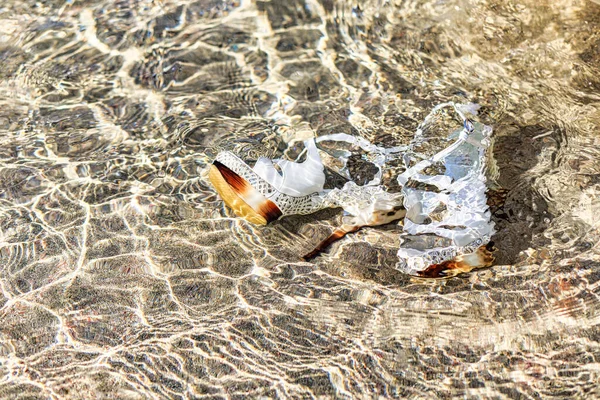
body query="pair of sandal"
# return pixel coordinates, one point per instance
(447, 226)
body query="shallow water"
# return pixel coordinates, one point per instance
(122, 274)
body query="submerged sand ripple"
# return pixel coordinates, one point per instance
(122, 274)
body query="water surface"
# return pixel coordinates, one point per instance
(122, 275)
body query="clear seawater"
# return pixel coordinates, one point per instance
(123, 276)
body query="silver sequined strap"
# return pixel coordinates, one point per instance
(288, 205)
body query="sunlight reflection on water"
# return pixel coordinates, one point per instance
(123, 274)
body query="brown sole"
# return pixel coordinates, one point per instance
(481, 258)
(232, 200)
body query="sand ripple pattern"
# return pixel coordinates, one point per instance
(122, 275)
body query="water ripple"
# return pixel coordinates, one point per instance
(122, 273)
